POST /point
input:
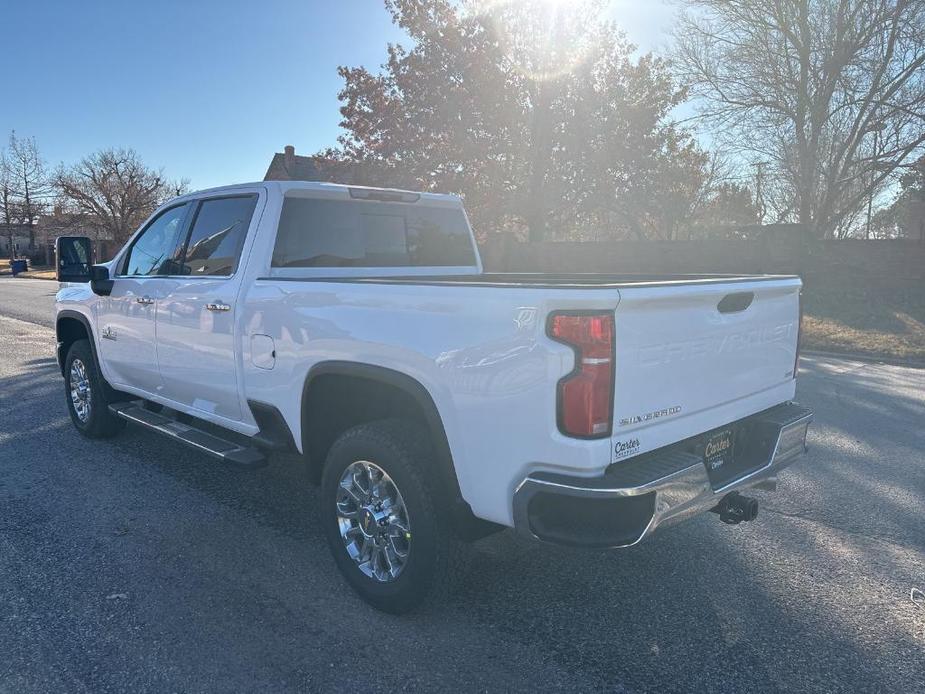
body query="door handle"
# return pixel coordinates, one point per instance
(145, 300)
(218, 306)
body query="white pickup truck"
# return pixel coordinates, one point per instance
(434, 402)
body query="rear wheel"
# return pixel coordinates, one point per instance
(380, 515)
(88, 395)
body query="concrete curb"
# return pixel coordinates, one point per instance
(867, 358)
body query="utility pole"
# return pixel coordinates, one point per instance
(759, 190)
(870, 198)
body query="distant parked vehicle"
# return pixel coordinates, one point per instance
(433, 402)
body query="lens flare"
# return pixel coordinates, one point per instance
(544, 39)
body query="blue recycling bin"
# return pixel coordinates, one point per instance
(17, 266)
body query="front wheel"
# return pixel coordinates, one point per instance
(380, 515)
(88, 395)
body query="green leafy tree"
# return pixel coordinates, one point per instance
(905, 217)
(538, 113)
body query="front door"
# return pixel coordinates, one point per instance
(196, 314)
(126, 318)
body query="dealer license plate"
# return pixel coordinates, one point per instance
(718, 451)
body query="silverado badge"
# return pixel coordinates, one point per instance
(648, 416)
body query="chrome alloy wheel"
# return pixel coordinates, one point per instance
(373, 521)
(80, 390)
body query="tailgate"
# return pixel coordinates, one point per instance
(684, 351)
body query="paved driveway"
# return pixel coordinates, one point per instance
(135, 564)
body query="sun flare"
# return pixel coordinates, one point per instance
(545, 39)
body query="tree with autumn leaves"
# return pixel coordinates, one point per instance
(544, 120)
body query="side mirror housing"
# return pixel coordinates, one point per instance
(73, 258)
(99, 280)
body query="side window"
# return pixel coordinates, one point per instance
(217, 236)
(153, 250)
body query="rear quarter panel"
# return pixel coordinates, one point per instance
(481, 353)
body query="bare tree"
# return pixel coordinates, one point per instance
(8, 207)
(29, 182)
(113, 191)
(830, 93)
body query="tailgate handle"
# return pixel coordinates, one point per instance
(733, 303)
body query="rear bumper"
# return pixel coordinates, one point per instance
(636, 496)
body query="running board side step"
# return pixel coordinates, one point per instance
(226, 451)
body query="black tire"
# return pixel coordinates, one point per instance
(96, 422)
(402, 451)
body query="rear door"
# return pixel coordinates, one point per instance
(694, 356)
(196, 314)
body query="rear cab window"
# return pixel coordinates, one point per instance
(317, 232)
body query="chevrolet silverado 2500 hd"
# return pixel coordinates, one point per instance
(432, 401)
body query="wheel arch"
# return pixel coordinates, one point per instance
(71, 326)
(337, 395)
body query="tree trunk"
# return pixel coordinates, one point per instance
(536, 221)
(535, 214)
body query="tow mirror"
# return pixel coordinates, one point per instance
(73, 258)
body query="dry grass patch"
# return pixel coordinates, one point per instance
(40, 274)
(878, 321)
(830, 335)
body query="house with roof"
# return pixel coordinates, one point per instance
(289, 166)
(20, 238)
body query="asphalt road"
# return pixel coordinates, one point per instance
(28, 300)
(137, 565)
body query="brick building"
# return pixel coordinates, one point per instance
(289, 166)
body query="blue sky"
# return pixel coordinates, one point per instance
(207, 90)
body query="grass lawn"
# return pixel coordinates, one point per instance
(874, 320)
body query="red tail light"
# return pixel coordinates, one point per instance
(586, 395)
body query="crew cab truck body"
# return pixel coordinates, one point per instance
(433, 401)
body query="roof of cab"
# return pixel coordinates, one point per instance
(286, 186)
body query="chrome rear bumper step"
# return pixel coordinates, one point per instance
(627, 504)
(226, 451)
